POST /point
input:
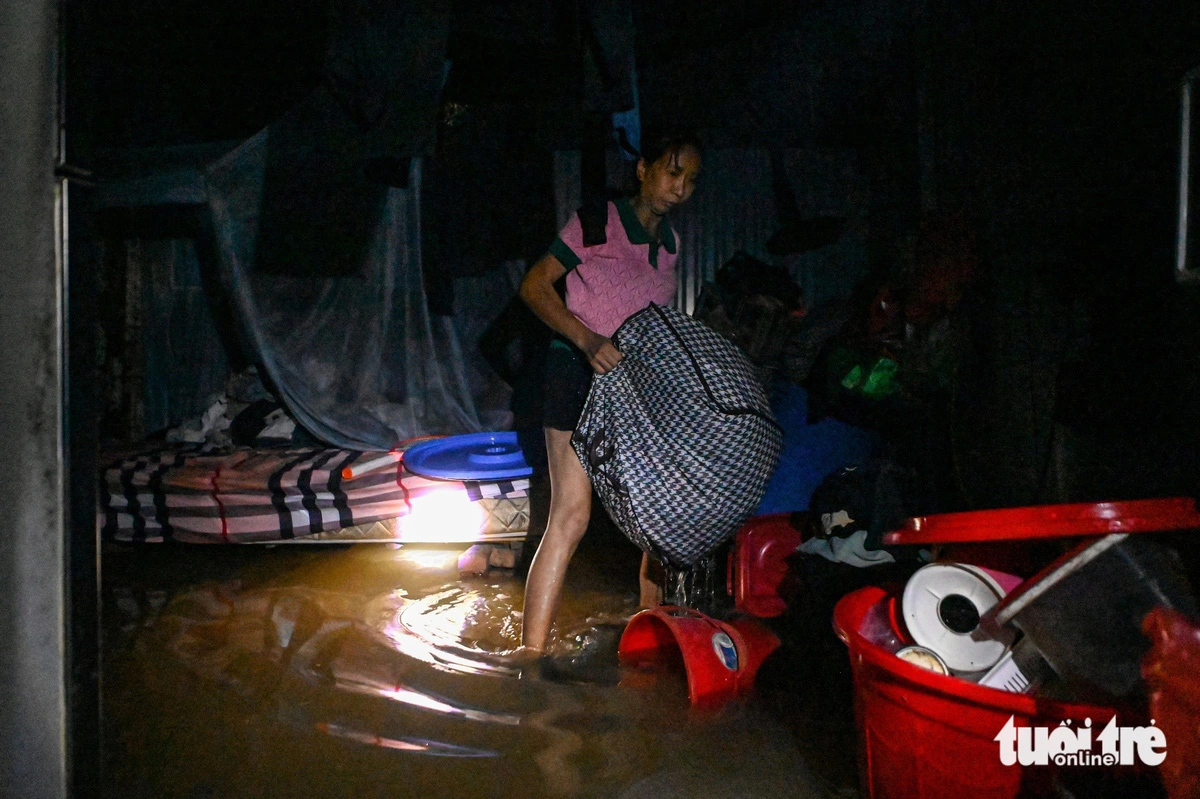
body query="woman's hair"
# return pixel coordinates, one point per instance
(654, 148)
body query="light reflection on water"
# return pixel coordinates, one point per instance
(434, 748)
(459, 626)
(296, 680)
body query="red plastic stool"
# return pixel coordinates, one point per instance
(720, 658)
(758, 563)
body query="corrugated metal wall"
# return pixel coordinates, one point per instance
(168, 360)
(734, 209)
(731, 210)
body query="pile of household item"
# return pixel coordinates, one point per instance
(247, 414)
(756, 306)
(963, 673)
(946, 663)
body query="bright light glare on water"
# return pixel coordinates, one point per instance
(429, 559)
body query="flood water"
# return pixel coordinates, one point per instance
(370, 671)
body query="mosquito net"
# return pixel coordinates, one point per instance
(353, 352)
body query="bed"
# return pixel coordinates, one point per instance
(311, 495)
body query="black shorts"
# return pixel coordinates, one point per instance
(568, 380)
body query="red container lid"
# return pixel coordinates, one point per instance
(1049, 521)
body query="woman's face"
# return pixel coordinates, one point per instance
(670, 180)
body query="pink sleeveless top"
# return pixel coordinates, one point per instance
(607, 283)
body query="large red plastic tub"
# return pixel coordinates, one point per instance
(927, 736)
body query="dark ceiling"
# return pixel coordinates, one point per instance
(190, 71)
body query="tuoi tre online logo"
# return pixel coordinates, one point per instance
(1067, 745)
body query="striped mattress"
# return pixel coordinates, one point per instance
(242, 495)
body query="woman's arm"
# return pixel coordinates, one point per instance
(537, 290)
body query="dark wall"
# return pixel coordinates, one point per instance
(1055, 127)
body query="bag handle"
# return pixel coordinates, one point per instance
(712, 399)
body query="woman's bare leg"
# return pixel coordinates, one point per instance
(649, 590)
(570, 509)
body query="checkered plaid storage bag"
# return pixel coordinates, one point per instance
(679, 440)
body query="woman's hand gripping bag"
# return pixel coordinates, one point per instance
(678, 440)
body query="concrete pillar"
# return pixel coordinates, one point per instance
(33, 589)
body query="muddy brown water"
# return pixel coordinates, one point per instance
(369, 671)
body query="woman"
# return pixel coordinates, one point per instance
(605, 284)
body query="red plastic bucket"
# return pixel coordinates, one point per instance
(720, 658)
(927, 736)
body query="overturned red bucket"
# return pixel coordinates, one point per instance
(719, 658)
